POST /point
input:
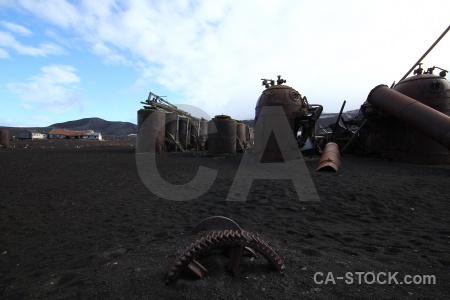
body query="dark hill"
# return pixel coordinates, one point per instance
(99, 125)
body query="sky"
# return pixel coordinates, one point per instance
(64, 60)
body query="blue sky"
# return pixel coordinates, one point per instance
(65, 60)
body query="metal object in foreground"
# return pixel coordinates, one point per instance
(235, 239)
(329, 161)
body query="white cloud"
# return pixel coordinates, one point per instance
(16, 28)
(44, 49)
(214, 52)
(54, 89)
(3, 53)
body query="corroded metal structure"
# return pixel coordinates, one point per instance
(172, 120)
(231, 236)
(151, 131)
(411, 122)
(181, 134)
(222, 135)
(203, 136)
(241, 135)
(330, 158)
(4, 138)
(301, 116)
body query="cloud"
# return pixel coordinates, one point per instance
(9, 41)
(213, 53)
(54, 89)
(16, 28)
(3, 53)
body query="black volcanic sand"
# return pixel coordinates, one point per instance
(77, 222)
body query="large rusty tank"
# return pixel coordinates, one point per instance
(171, 131)
(151, 131)
(241, 134)
(300, 115)
(4, 138)
(203, 135)
(405, 128)
(184, 131)
(222, 135)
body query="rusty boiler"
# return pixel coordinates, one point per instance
(300, 115)
(414, 122)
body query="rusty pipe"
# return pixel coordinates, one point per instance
(423, 118)
(329, 161)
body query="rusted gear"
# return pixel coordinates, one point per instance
(221, 239)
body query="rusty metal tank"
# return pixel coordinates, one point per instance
(433, 91)
(171, 130)
(222, 135)
(194, 133)
(4, 138)
(203, 136)
(183, 131)
(151, 131)
(295, 108)
(241, 134)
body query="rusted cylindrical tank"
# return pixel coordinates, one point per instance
(183, 131)
(194, 133)
(4, 138)
(222, 135)
(171, 131)
(151, 124)
(203, 133)
(430, 129)
(294, 107)
(433, 91)
(241, 135)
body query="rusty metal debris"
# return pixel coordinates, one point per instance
(329, 161)
(236, 240)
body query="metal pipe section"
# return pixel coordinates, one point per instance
(337, 120)
(330, 159)
(423, 118)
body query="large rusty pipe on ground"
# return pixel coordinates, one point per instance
(425, 119)
(329, 161)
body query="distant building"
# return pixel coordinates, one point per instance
(74, 134)
(30, 134)
(94, 136)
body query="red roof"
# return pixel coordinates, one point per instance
(71, 132)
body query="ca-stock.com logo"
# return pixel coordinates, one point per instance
(272, 119)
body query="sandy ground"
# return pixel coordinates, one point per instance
(76, 221)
